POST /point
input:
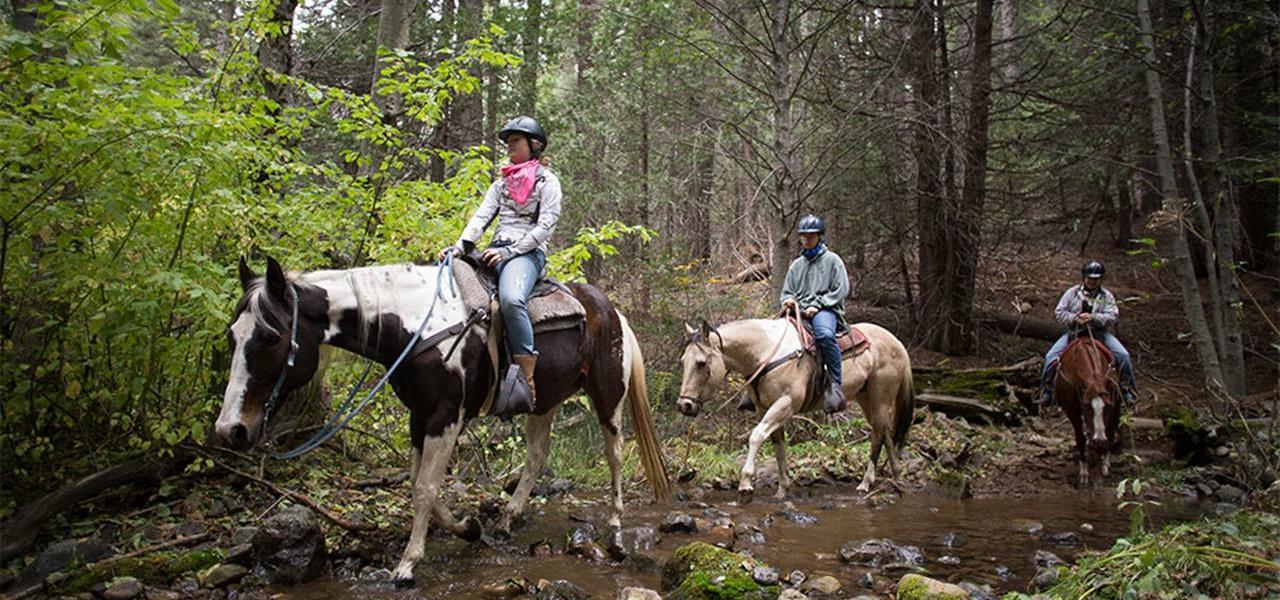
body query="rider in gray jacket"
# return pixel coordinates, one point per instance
(1089, 306)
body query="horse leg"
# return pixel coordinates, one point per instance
(778, 413)
(1106, 463)
(613, 443)
(537, 435)
(869, 477)
(435, 455)
(780, 453)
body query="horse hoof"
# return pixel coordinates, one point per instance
(402, 577)
(745, 496)
(617, 551)
(501, 533)
(471, 532)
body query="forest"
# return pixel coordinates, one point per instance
(165, 160)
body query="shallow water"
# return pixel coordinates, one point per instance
(993, 531)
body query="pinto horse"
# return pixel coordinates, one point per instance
(374, 312)
(1088, 388)
(879, 378)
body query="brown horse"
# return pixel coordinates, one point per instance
(1088, 388)
(374, 312)
(879, 378)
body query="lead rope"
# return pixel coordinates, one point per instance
(343, 415)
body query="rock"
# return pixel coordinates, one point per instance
(64, 556)
(560, 590)
(1027, 526)
(122, 588)
(1044, 558)
(1062, 538)
(189, 528)
(954, 540)
(1086, 527)
(919, 587)
(867, 580)
(1230, 493)
(244, 535)
(590, 551)
(749, 534)
(559, 486)
(873, 552)
(678, 523)
(951, 484)
(1045, 578)
(1204, 489)
(796, 577)
(240, 555)
(948, 560)
(822, 584)
(640, 538)
(798, 517)
(764, 575)
(290, 547)
(582, 534)
(700, 570)
(162, 595)
(792, 594)
(222, 574)
(978, 592)
(582, 543)
(1003, 572)
(722, 536)
(638, 593)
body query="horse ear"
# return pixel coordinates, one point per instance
(276, 284)
(246, 275)
(691, 333)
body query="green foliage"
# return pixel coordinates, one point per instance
(1216, 558)
(700, 571)
(156, 569)
(130, 189)
(567, 263)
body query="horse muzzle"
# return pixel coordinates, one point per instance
(688, 406)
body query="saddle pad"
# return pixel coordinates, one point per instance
(554, 309)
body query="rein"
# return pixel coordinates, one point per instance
(767, 365)
(347, 411)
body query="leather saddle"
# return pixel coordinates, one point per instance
(852, 342)
(552, 306)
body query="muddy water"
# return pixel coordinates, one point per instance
(990, 537)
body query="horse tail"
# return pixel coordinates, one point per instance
(904, 409)
(641, 420)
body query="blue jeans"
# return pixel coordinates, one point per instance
(516, 276)
(824, 336)
(1113, 344)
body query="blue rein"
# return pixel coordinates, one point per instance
(346, 411)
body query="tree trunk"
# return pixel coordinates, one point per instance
(967, 229)
(24, 15)
(929, 210)
(529, 69)
(1009, 31)
(393, 34)
(1191, 304)
(275, 53)
(1231, 348)
(784, 186)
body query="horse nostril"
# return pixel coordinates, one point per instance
(239, 435)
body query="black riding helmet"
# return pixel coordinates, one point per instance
(1092, 270)
(811, 223)
(527, 126)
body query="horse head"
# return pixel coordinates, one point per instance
(703, 367)
(1087, 364)
(275, 337)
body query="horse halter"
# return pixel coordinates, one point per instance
(288, 362)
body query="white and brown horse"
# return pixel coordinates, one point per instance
(879, 378)
(374, 312)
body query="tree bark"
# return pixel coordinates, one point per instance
(784, 186)
(929, 210)
(1191, 303)
(275, 53)
(532, 59)
(24, 15)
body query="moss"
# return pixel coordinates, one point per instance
(915, 587)
(984, 384)
(155, 569)
(700, 571)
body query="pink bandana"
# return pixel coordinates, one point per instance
(519, 179)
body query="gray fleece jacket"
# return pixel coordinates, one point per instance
(525, 226)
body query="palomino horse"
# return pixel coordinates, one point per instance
(373, 312)
(1089, 391)
(879, 378)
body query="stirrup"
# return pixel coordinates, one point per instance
(834, 401)
(514, 395)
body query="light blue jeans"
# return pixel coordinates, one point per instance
(1113, 344)
(516, 276)
(824, 337)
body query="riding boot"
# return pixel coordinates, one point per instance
(745, 404)
(834, 401)
(516, 393)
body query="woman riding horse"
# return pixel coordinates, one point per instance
(1093, 306)
(526, 200)
(817, 282)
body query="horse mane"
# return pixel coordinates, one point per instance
(268, 313)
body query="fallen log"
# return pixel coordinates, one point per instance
(965, 408)
(20, 532)
(1023, 326)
